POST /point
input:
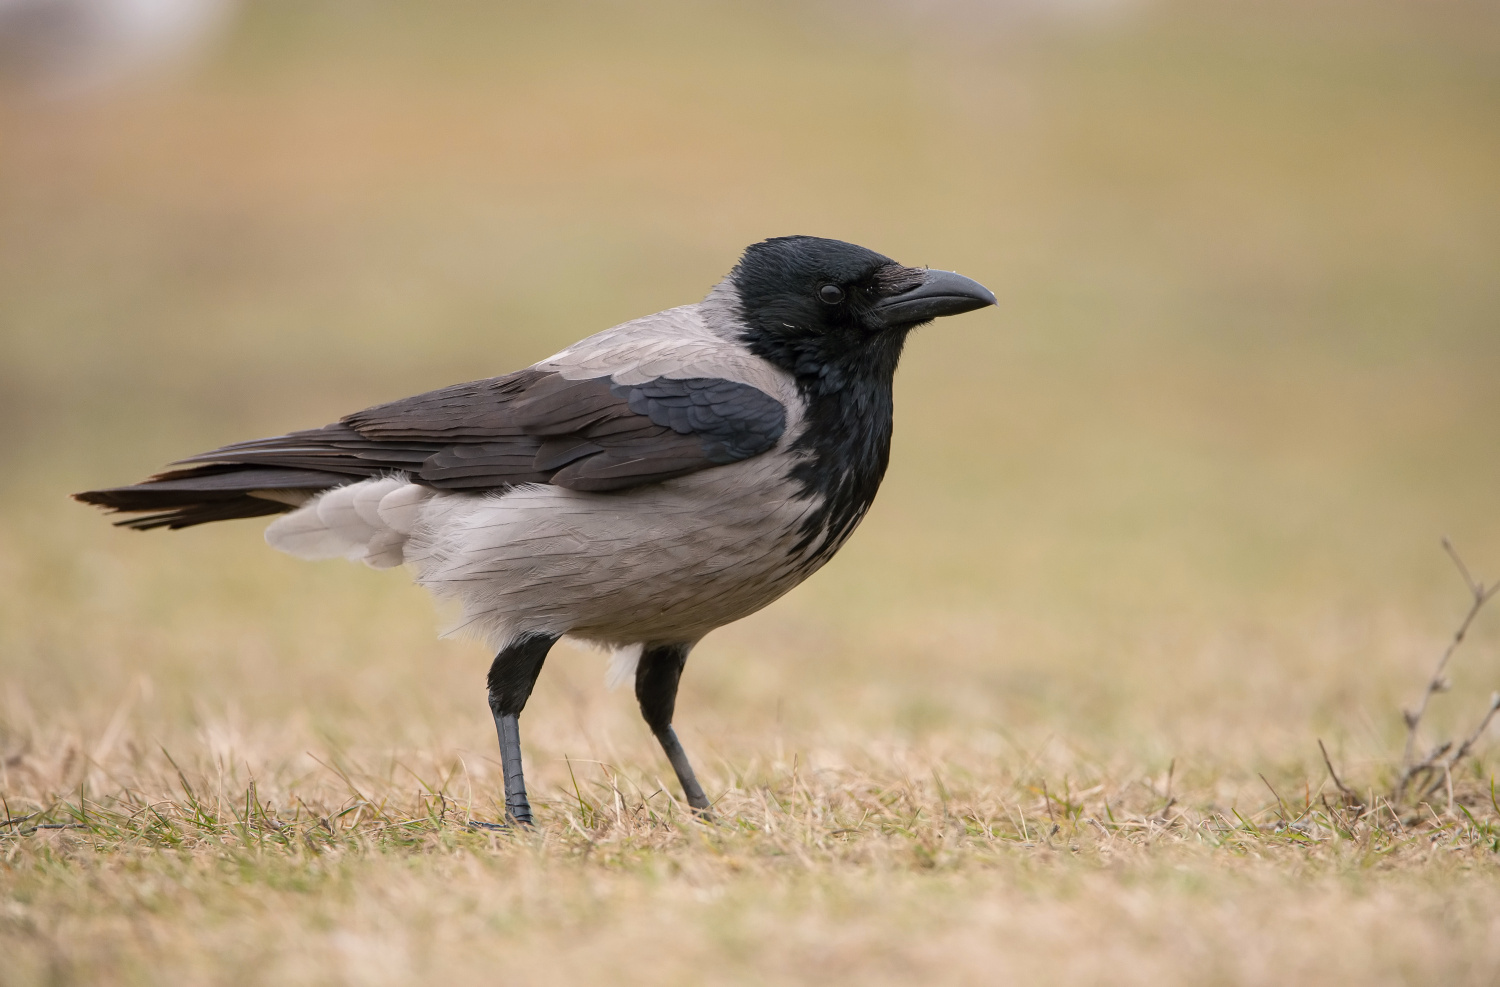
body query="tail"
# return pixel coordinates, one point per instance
(217, 492)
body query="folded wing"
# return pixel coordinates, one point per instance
(535, 426)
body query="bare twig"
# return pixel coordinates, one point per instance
(1280, 804)
(1473, 738)
(1436, 762)
(1351, 797)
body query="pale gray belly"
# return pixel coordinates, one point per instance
(663, 563)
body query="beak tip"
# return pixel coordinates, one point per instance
(957, 286)
(970, 287)
(941, 293)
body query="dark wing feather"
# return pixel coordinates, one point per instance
(527, 427)
(217, 492)
(478, 410)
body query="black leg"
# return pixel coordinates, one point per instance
(512, 675)
(656, 679)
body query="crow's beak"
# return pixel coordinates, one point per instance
(940, 293)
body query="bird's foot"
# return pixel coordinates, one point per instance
(513, 821)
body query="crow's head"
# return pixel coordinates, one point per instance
(805, 300)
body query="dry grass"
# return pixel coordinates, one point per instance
(899, 860)
(1153, 529)
(926, 861)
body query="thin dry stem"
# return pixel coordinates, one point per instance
(1435, 763)
(1351, 797)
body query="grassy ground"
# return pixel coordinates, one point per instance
(1154, 527)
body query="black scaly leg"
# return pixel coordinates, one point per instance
(656, 679)
(512, 675)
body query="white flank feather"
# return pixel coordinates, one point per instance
(349, 522)
(622, 665)
(337, 512)
(302, 534)
(401, 506)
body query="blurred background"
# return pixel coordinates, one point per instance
(1179, 495)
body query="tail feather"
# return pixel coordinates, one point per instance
(220, 492)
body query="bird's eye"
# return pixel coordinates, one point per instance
(831, 293)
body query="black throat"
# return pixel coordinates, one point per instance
(845, 443)
(814, 308)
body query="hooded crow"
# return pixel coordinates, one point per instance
(637, 490)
